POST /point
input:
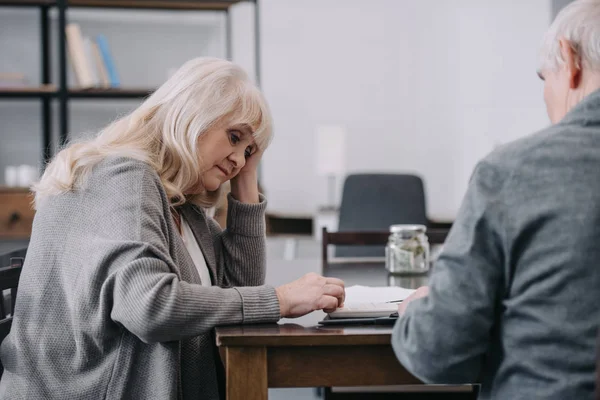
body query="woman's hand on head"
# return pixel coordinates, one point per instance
(251, 167)
(244, 186)
(309, 293)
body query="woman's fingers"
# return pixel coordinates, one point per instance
(339, 283)
(328, 303)
(334, 281)
(335, 291)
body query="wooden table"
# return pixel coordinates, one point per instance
(299, 353)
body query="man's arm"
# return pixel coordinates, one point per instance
(442, 338)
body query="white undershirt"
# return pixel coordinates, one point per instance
(191, 244)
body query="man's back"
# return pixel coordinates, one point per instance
(515, 295)
(550, 311)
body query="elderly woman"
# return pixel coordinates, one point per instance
(125, 276)
(514, 298)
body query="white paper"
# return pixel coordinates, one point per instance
(356, 295)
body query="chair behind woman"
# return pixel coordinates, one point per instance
(598, 367)
(9, 279)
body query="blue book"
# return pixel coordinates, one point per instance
(109, 63)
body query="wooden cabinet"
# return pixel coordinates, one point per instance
(16, 213)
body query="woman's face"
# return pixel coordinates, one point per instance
(223, 150)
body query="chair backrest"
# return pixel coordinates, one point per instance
(9, 280)
(373, 202)
(598, 367)
(5, 258)
(435, 236)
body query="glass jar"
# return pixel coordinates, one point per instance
(407, 250)
(407, 281)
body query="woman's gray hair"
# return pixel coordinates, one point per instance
(164, 131)
(579, 23)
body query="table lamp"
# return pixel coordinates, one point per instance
(330, 162)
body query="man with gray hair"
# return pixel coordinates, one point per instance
(514, 299)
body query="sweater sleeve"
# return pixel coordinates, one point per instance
(148, 297)
(442, 338)
(241, 255)
(241, 248)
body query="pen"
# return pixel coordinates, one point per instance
(394, 301)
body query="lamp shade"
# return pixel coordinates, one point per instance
(331, 148)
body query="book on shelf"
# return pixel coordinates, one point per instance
(91, 60)
(109, 62)
(101, 71)
(78, 57)
(89, 55)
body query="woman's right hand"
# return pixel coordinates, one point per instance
(309, 293)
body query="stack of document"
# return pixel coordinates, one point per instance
(371, 302)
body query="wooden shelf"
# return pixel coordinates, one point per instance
(13, 189)
(28, 92)
(221, 5)
(51, 91)
(125, 93)
(27, 3)
(157, 4)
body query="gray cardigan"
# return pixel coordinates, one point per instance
(110, 304)
(515, 295)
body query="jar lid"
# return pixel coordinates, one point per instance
(408, 229)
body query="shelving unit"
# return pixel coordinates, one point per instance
(51, 91)
(47, 92)
(147, 4)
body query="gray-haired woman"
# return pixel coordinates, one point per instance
(125, 275)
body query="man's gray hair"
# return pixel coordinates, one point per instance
(579, 23)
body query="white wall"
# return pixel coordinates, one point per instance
(423, 86)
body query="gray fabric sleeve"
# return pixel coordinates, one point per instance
(442, 338)
(241, 256)
(241, 248)
(148, 297)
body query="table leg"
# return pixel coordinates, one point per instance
(246, 373)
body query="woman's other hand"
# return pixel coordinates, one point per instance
(309, 293)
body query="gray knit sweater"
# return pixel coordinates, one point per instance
(515, 295)
(110, 304)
